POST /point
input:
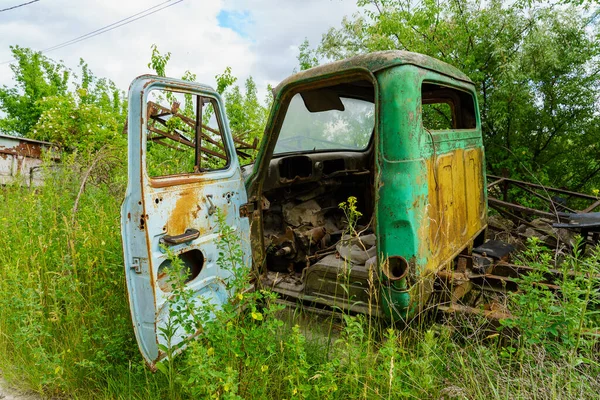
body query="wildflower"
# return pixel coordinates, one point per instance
(257, 316)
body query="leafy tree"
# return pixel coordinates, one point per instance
(36, 77)
(536, 68)
(158, 62)
(225, 80)
(247, 115)
(307, 57)
(77, 111)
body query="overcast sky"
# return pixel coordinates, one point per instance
(258, 37)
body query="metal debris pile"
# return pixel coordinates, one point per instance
(542, 228)
(312, 232)
(558, 218)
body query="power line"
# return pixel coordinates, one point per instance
(110, 27)
(114, 25)
(17, 6)
(90, 34)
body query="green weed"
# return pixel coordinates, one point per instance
(65, 328)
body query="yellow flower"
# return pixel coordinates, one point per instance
(595, 192)
(264, 368)
(257, 316)
(240, 296)
(210, 351)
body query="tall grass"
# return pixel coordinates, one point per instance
(64, 322)
(65, 327)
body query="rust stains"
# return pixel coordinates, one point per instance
(181, 217)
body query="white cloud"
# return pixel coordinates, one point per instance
(259, 38)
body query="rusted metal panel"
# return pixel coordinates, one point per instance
(21, 160)
(431, 201)
(374, 62)
(178, 211)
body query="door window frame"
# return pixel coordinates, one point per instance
(167, 84)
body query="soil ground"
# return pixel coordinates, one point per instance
(10, 394)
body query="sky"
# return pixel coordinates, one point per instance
(258, 38)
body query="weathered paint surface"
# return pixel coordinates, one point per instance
(21, 160)
(430, 200)
(373, 62)
(157, 207)
(430, 197)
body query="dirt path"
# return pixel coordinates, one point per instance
(11, 394)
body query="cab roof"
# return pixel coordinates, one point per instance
(374, 62)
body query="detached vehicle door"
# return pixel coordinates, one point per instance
(182, 171)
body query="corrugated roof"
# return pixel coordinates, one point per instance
(24, 139)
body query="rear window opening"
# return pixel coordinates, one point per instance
(445, 108)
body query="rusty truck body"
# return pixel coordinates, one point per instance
(397, 131)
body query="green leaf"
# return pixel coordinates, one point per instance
(162, 368)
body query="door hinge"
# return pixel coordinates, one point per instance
(136, 265)
(252, 205)
(247, 209)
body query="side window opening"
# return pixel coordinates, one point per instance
(184, 134)
(445, 108)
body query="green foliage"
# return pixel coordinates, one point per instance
(232, 337)
(82, 121)
(36, 77)
(41, 106)
(535, 66)
(351, 212)
(65, 314)
(158, 62)
(307, 57)
(65, 328)
(246, 114)
(562, 323)
(225, 80)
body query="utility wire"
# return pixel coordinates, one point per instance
(17, 6)
(107, 28)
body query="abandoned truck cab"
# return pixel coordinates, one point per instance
(369, 179)
(399, 132)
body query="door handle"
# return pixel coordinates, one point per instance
(189, 234)
(211, 208)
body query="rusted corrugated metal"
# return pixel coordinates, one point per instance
(21, 160)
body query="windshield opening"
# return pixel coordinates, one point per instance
(326, 120)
